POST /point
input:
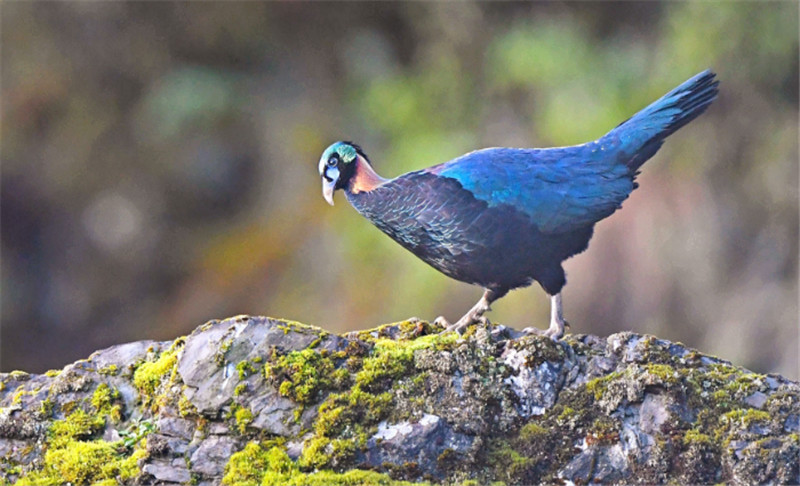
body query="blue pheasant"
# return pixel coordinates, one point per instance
(504, 217)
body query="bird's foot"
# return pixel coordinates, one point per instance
(474, 315)
(442, 322)
(461, 325)
(554, 332)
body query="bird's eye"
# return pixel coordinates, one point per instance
(333, 161)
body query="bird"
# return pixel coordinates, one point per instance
(502, 218)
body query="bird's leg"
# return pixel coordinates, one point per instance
(476, 313)
(557, 322)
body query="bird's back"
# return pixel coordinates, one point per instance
(501, 217)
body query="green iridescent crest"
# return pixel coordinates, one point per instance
(347, 153)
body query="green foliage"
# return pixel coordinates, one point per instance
(135, 432)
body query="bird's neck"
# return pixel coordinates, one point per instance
(364, 178)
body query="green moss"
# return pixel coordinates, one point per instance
(352, 410)
(694, 436)
(244, 417)
(52, 373)
(77, 425)
(301, 375)
(18, 394)
(541, 349)
(219, 356)
(185, 407)
(354, 477)
(604, 431)
(240, 388)
(245, 369)
(566, 415)
(346, 419)
(46, 408)
(111, 370)
(78, 462)
(665, 373)
(391, 359)
(103, 402)
(270, 465)
(532, 431)
(744, 384)
(745, 416)
(314, 454)
(72, 457)
(148, 375)
(598, 386)
(405, 331)
(293, 326)
(247, 466)
(509, 463)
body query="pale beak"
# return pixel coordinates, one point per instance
(327, 190)
(330, 176)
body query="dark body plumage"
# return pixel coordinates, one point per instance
(465, 238)
(503, 217)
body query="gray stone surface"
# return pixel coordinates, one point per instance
(493, 405)
(174, 471)
(420, 442)
(210, 458)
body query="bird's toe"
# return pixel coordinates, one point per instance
(458, 327)
(554, 334)
(441, 322)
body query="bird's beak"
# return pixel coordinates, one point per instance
(327, 191)
(329, 178)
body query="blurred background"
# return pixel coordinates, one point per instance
(159, 165)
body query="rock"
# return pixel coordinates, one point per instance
(176, 427)
(174, 471)
(254, 398)
(210, 458)
(756, 400)
(422, 443)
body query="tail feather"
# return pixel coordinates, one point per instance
(642, 134)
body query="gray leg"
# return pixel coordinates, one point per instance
(557, 322)
(475, 314)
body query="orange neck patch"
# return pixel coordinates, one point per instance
(364, 178)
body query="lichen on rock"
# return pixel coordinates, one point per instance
(253, 400)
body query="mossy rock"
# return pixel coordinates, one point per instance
(253, 400)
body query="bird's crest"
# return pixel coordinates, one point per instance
(347, 151)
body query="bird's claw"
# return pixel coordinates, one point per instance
(460, 326)
(441, 322)
(554, 332)
(465, 322)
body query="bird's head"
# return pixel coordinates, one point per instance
(337, 166)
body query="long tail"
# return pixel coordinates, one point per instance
(642, 134)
